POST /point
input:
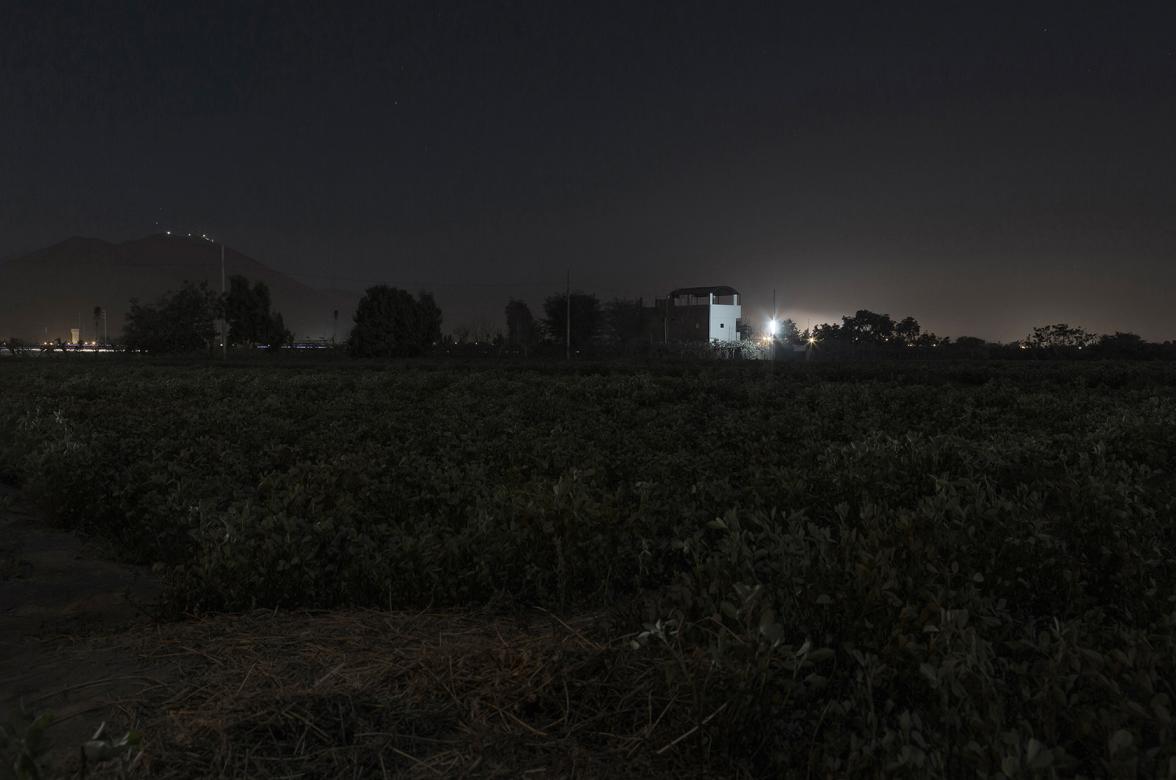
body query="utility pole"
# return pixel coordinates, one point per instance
(224, 317)
(568, 318)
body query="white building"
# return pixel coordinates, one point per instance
(702, 314)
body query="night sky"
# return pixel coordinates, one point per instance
(980, 166)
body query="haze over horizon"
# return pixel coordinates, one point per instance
(984, 169)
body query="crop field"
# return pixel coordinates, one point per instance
(811, 570)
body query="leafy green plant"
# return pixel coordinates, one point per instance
(931, 569)
(22, 747)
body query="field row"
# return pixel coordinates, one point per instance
(939, 567)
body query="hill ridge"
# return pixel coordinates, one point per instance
(46, 292)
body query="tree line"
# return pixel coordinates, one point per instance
(867, 334)
(615, 325)
(187, 320)
(620, 326)
(391, 322)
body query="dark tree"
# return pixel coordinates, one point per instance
(1123, 345)
(247, 310)
(180, 321)
(624, 321)
(389, 322)
(430, 319)
(97, 323)
(867, 327)
(869, 332)
(1059, 336)
(908, 331)
(586, 319)
(278, 335)
(828, 332)
(787, 332)
(520, 326)
(972, 347)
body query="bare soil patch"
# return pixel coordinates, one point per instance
(63, 609)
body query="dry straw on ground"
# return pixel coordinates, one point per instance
(377, 694)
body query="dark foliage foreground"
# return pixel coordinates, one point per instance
(950, 570)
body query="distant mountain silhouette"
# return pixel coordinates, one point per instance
(45, 293)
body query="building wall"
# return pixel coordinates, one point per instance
(724, 319)
(694, 322)
(689, 323)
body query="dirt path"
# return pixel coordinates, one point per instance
(62, 608)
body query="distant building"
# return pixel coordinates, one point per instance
(700, 314)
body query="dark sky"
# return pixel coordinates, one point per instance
(983, 167)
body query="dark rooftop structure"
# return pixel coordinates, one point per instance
(701, 314)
